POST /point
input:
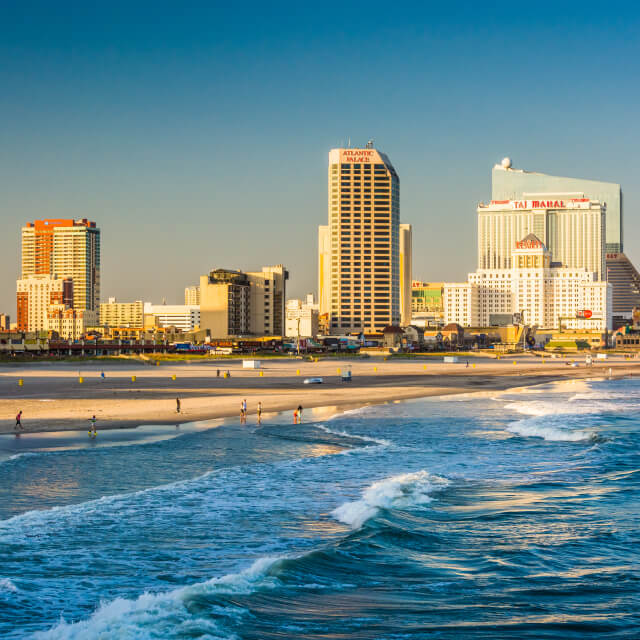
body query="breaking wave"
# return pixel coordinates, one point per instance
(533, 429)
(402, 491)
(344, 434)
(172, 614)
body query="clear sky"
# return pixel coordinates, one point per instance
(196, 135)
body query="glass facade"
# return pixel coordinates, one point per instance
(515, 184)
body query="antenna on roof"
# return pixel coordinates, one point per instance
(349, 143)
(369, 144)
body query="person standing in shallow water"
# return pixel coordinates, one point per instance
(299, 410)
(92, 428)
(259, 412)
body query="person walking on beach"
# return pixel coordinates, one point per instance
(92, 429)
(102, 374)
(295, 416)
(299, 413)
(177, 405)
(259, 412)
(19, 420)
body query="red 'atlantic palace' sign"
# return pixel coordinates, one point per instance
(357, 155)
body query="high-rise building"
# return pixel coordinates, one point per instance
(192, 295)
(405, 273)
(508, 183)
(233, 303)
(267, 303)
(515, 184)
(324, 272)
(360, 286)
(224, 303)
(65, 249)
(572, 228)
(122, 314)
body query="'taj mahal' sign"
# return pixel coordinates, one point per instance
(538, 204)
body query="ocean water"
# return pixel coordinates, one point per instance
(510, 515)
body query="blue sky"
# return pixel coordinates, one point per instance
(197, 135)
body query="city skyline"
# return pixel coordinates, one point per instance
(169, 156)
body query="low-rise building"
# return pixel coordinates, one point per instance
(427, 307)
(69, 323)
(302, 318)
(183, 317)
(153, 334)
(5, 322)
(35, 295)
(122, 314)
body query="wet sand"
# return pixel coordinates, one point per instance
(52, 398)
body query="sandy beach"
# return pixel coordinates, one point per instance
(52, 398)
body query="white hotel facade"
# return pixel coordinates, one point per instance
(519, 274)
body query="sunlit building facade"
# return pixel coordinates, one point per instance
(573, 229)
(359, 249)
(534, 289)
(63, 248)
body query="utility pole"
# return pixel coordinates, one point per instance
(298, 338)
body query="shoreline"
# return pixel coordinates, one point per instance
(53, 400)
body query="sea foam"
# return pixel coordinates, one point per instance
(402, 491)
(166, 615)
(344, 434)
(532, 428)
(7, 586)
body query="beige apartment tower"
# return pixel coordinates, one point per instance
(233, 303)
(359, 249)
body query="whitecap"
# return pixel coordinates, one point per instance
(344, 434)
(402, 491)
(7, 585)
(531, 428)
(166, 615)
